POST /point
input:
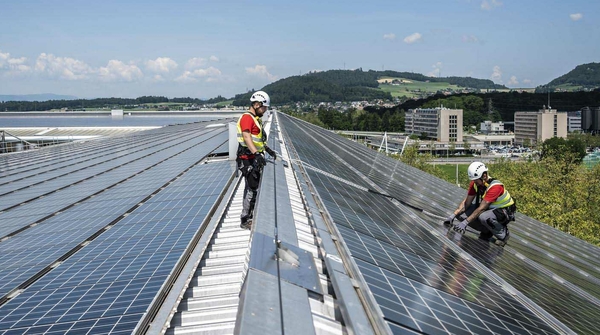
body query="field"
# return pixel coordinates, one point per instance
(224, 103)
(450, 171)
(413, 88)
(569, 88)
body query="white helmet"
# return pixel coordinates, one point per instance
(261, 96)
(476, 170)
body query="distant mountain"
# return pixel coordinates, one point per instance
(584, 76)
(350, 85)
(36, 97)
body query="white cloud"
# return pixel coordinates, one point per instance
(260, 71)
(470, 39)
(412, 38)
(576, 16)
(17, 65)
(4, 56)
(193, 76)
(116, 70)
(497, 74)
(390, 36)
(213, 58)
(13, 65)
(513, 81)
(490, 4)
(437, 70)
(194, 63)
(62, 67)
(527, 81)
(161, 65)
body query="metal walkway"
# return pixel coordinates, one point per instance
(210, 304)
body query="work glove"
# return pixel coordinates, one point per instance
(461, 227)
(449, 220)
(271, 152)
(259, 160)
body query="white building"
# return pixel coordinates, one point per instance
(489, 127)
(441, 124)
(573, 121)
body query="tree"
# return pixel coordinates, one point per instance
(467, 146)
(373, 122)
(566, 199)
(452, 147)
(412, 157)
(568, 151)
(385, 121)
(397, 121)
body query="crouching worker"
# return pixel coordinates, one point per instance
(492, 210)
(250, 155)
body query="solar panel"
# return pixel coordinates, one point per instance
(80, 187)
(363, 214)
(107, 286)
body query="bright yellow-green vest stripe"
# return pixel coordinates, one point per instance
(256, 139)
(503, 201)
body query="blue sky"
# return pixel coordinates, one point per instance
(207, 48)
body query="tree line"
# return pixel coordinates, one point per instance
(352, 119)
(79, 104)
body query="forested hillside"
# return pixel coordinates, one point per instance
(348, 85)
(584, 75)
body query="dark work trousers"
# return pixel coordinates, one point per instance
(252, 179)
(488, 222)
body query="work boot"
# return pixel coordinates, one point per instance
(486, 236)
(246, 224)
(502, 241)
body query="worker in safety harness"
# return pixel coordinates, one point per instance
(250, 155)
(492, 210)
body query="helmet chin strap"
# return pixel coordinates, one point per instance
(256, 110)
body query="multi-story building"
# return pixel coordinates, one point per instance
(489, 127)
(441, 124)
(574, 121)
(536, 127)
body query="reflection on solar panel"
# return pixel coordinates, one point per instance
(399, 250)
(98, 254)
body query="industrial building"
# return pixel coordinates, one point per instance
(590, 119)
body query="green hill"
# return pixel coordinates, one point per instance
(583, 77)
(356, 85)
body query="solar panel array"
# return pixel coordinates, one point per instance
(419, 281)
(90, 232)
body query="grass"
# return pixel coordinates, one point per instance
(569, 87)
(165, 104)
(449, 171)
(413, 88)
(224, 103)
